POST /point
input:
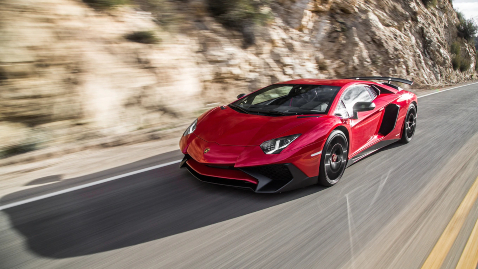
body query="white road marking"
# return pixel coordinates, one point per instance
(446, 90)
(34, 199)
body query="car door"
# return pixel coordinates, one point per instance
(366, 126)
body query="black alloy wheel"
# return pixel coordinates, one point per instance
(334, 159)
(409, 124)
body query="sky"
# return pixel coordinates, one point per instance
(469, 8)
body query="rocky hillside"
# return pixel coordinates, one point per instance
(73, 70)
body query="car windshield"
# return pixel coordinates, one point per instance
(288, 100)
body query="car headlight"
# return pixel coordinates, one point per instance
(191, 128)
(275, 146)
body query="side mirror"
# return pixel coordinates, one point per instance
(362, 106)
(241, 95)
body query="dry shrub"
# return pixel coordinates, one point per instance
(145, 37)
(103, 4)
(322, 65)
(241, 15)
(430, 3)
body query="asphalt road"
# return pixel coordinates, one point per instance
(388, 211)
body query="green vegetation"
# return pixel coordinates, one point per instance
(104, 4)
(455, 48)
(476, 61)
(466, 33)
(467, 29)
(430, 3)
(458, 61)
(145, 37)
(465, 64)
(241, 15)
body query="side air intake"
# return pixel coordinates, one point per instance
(389, 119)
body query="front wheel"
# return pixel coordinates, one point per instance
(409, 124)
(334, 159)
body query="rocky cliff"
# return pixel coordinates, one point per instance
(70, 72)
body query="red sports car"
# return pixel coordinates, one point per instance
(298, 133)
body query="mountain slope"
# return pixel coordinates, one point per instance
(70, 72)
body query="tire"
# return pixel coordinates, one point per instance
(334, 159)
(409, 124)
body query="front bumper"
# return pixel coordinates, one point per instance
(261, 179)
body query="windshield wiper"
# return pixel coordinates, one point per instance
(276, 113)
(240, 108)
(271, 112)
(310, 113)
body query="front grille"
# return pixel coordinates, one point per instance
(274, 171)
(222, 181)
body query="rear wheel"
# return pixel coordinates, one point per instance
(409, 124)
(334, 159)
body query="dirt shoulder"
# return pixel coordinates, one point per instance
(22, 176)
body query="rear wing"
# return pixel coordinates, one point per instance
(389, 79)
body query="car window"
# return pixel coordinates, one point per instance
(371, 91)
(341, 110)
(292, 99)
(272, 94)
(354, 94)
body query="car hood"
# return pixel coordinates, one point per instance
(229, 127)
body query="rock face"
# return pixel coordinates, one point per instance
(67, 73)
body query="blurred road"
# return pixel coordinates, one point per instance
(387, 212)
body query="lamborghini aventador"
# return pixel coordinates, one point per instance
(298, 133)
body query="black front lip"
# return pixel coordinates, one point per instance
(222, 181)
(265, 184)
(184, 160)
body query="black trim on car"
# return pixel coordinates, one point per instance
(389, 120)
(184, 160)
(389, 79)
(371, 150)
(222, 181)
(267, 184)
(301, 117)
(271, 178)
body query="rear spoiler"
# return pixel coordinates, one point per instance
(389, 79)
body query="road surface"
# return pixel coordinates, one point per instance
(388, 211)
